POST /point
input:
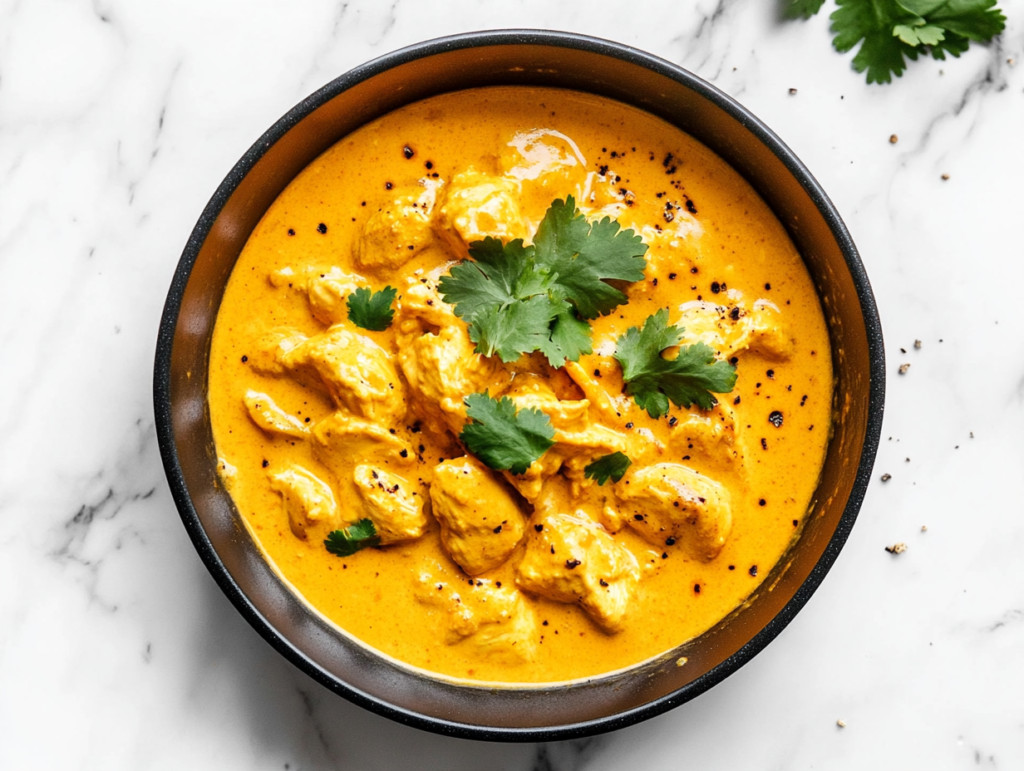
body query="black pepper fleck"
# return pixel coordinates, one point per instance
(321, 228)
(775, 419)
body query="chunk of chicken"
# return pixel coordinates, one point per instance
(266, 357)
(548, 165)
(477, 205)
(709, 437)
(530, 391)
(391, 503)
(442, 370)
(305, 497)
(398, 230)
(572, 559)
(480, 522)
(494, 619)
(268, 416)
(328, 295)
(596, 502)
(668, 500)
(420, 307)
(731, 330)
(341, 439)
(356, 372)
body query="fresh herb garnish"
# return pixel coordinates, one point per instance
(613, 465)
(502, 437)
(345, 543)
(692, 377)
(372, 310)
(893, 31)
(517, 299)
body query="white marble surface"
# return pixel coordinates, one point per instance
(117, 651)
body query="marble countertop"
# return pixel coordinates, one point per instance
(117, 650)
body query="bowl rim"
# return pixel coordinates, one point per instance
(366, 71)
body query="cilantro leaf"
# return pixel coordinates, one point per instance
(372, 310)
(692, 377)
(801, 9)
(518, 299)
(613, 465)
(502, 437)
(892, 31)
(583, 255)
(345, 543)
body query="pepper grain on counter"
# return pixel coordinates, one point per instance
(327, 427)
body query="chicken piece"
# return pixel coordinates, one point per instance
(572, 559)
(596, 502)
(268, 416)
(391, 503)
(356, 372)
(595, 393)
(668, 500)
(306, 499)
(266, 357)
(341, 440)
(548, 165)
(481, 525)
(709, 436)
(442, 370)
(530, 391)
(397, 231)
(731, 330)
(766, 333)
(492, 618)
(478, 205)
(328, 295)
(420, 306)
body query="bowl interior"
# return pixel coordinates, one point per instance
(513, 58)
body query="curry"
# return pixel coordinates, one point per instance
(477, 572)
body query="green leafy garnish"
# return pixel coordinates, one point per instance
(502, 437)
(518, 299)
(892, 31)
(802, 9)
(613, 465)
(692, 377)
(345, 543)
(372, 310)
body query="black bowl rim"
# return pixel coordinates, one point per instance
(628, 54)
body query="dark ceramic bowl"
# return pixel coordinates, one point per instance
(513, 58)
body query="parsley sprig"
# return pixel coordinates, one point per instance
(518, 299)
(502, 437)
(692, 377)
(372, 310)
(893, 31)
(608, 466)
(345, 543)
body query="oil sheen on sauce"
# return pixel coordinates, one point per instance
(718, 260)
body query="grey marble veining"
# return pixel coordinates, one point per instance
(117, 651)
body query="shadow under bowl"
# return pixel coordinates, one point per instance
(531, 58)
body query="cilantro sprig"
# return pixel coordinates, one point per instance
(608, 466)
(372, 310)
(502, 437)
(892, 31)
(518, 299)
(692, 377)
(345, 543)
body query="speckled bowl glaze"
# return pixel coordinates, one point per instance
(513, 58)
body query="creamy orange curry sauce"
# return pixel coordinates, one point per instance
(486, 575)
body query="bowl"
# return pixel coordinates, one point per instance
(514, 713)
